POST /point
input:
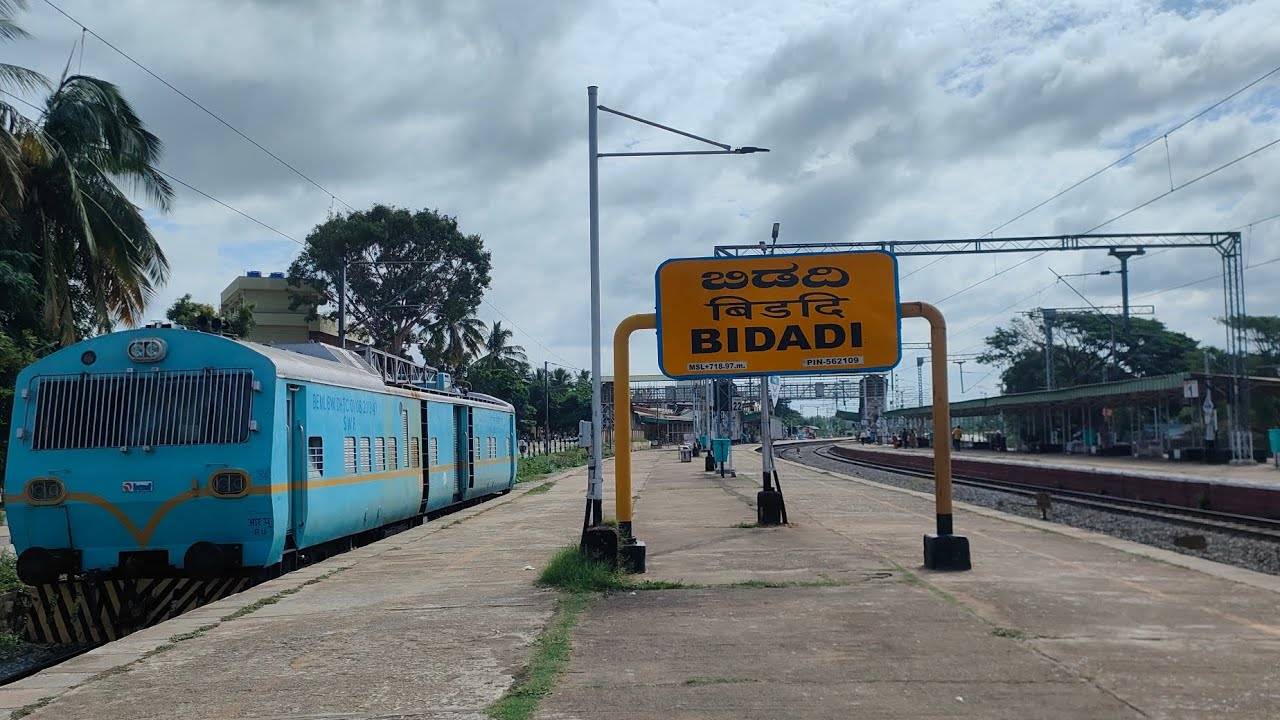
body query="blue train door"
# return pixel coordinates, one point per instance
(465, 477)
(296, 412)
(424, 451)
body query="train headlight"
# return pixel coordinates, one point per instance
(229, 483)
(46, 491)
(147, 350)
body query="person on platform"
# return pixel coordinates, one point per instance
(956, 434)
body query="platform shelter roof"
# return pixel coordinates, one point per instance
(1096, 394)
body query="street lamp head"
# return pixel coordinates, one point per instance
(746, 149)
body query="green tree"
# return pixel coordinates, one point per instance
(1262, 332)
(406, 271)
(236, 320)
(787, 414)
(498, 348)
(99, 261)
(13, 126)
(1088, 348)
(453, 342)
(509, 382)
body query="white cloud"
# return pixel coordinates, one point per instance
(888, 121)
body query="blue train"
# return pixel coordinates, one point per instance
(169, 451)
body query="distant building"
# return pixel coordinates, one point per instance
(275, 321)
(871, 402)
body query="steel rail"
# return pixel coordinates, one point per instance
(1248, 525)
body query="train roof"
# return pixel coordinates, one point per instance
(316, 362)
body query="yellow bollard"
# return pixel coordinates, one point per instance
(622, 415)
(945, 550)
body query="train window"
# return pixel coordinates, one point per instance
(415, 453)
(315, 456)
(393, 454)
(365, 457)
(404, 426)
(349, 455)
(493, 446)
(433, 452)
(379, 454)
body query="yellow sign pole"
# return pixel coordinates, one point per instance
(622, 415)
(945, 550)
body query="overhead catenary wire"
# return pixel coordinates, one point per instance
(232, 208)
(1164, 136)
(1206, 278)
(1115, 163)
(178, 180)
(86, 29)
(1126, 213)
(524, 332)
(1118, 161)
(282, 161)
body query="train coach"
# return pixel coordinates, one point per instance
(166, 451)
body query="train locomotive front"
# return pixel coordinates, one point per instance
(165, 451)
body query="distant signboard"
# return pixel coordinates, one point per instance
(778, 314)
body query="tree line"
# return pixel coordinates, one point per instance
(76, 254)
(1092, 348)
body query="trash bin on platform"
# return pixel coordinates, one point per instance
(720, 449)
(686, 453)
(1273, 439)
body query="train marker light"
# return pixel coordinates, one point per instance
(148, 350)
(46, 491)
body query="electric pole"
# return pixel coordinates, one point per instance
(1123, 255)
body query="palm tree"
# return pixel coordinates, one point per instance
(561, 379)
(454, 342)
(99, 260)
(498, 347)
(13, 78)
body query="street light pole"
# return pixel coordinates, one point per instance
(595, 484)
(595, 467)
(546, 401)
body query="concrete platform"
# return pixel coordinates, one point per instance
(1259, 474)
(831, 617)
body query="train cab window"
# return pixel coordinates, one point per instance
(315, 456)
(415, 453)
(379, 454)
(365, 458)
(393, 454)
(433, 452)
(349, 455)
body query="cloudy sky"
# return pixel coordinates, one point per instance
(907, 120)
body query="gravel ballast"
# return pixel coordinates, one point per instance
(1220, 546)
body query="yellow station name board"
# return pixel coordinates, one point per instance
(778, 314)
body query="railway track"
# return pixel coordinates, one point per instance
(1244, 525)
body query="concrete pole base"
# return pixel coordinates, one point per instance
(632, 556)
(946, 552)
(600, 544)
(768, 507)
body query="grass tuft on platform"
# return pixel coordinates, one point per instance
(571, 571)
(550, 656)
